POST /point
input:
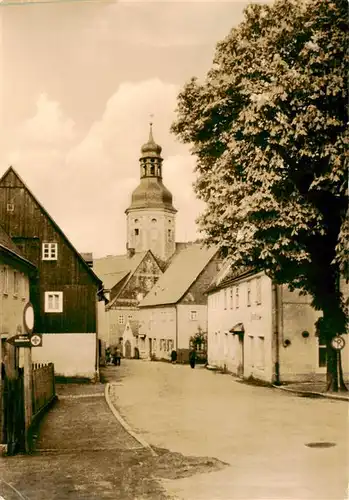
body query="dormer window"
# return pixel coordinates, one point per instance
(49, 251)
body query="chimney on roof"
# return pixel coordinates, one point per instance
(88, 258)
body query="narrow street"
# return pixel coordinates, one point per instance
(262, 433)
(214, 438)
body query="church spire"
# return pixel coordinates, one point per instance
(151, 161)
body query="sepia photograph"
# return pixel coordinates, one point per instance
(174, 250)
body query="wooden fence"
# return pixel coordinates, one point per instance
(43, 386)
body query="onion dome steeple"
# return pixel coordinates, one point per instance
(150, 148)
(151, 193)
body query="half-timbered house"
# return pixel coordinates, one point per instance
(127, 279)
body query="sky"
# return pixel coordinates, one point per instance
(79, 81)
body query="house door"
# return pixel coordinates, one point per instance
(150, 347)
(128, 349)
(240, 369)
(13, 429)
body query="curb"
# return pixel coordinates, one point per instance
(312, 393)
(125, 424)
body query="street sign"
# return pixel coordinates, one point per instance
(337, 343)
(28, 318)
(36, 340)
(20, 341)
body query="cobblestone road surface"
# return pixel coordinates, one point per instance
(261, 432)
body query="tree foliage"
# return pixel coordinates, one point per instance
(269, 130)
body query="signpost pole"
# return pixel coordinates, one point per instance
(28, 403)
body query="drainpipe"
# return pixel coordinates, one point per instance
(176, 329)
(276, 293)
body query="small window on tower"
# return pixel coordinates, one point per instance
(169, 235)
(153, 221)
(137, 232)
(152, 170)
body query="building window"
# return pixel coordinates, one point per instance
(193, 315)
(53, 302)
(4, 280)
(258, 291)
(121, 319)
(322, 351)
(237, 297)
(129, 317)
(10, 207)
(261, 353)
(251, 342)
(49, 251)
(225, 298)
(16, 282)
(136, 221)
(154, 221)
(152, 170)
(231, 298)
(169, 235)
(136, 232)
(25, 287)
(249, 294)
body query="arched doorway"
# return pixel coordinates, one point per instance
(128, 349)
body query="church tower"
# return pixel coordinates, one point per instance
(151, 217)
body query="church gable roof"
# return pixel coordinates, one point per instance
(122, 269)
(185, 268)
(114, 268)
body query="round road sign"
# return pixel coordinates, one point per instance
(35, 340)
(28, 318)
(338, 343)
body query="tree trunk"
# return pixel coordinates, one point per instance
(334, 375)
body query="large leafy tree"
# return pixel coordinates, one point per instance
(268, 127)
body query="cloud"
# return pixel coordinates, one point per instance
(48, 125)
(86, 182)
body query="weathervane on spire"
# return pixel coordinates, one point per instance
(151, 128)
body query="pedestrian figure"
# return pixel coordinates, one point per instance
(192, 358)
(174, 356)
(117, 356)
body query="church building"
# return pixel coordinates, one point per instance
(151, 217)
(151, 222)
(151, 253)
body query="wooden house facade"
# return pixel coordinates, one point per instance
(65, 293)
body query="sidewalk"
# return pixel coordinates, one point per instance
(81, 420)
(81, 453)
(313, 389)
